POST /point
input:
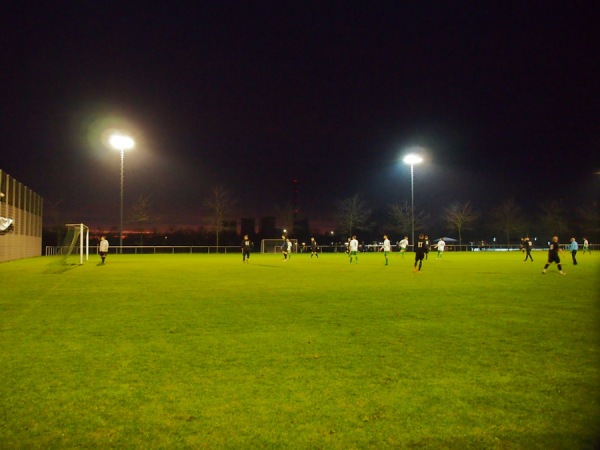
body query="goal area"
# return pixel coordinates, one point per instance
(76, 242)
(274, 245)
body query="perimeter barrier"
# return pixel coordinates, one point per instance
(332, 248)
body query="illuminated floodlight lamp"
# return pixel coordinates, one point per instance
(413, 158)
(121, 141)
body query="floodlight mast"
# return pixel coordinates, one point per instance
(121, 142)
(412, 159)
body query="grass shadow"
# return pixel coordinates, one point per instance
(58, 267)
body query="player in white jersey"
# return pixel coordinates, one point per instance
(353, 249)
(385, 248)
(403, 245)
(440, 248)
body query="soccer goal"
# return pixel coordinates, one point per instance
(77, 241)
(274, 245)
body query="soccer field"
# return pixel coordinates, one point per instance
(478, 350)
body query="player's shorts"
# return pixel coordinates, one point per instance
(554, 259)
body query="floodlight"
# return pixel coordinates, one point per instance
(413, 158)
(121, 142)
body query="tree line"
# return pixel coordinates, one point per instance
(459, 220)
(506, 220)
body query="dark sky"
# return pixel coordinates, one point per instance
(250, 95)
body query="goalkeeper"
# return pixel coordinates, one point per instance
(103, 248)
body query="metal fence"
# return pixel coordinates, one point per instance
(23, 238)
(341, 248)
(155, 249)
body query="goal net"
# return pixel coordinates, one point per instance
(274, 245)
(76, 242)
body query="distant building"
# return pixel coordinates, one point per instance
(248, 226)
(301, 229)
(267, 228)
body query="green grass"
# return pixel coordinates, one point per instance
(202, 351)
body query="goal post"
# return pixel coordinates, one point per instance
(77, 239)
(274, 245)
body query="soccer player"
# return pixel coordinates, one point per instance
(314, 247)
(284, 248)
(554, 251)
(440, 248)
(103, 248)
(527, 244)
(290, 248)
(573, 249)
(246, 246)
(403, 244)
(586, 246)
(420, 252)
(385, 248)
(353, 249)
(426, 237)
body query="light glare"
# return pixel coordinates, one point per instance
(413, 158)
(121, 142)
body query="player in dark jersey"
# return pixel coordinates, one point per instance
(284, 247)
(527, 244)
(314, 247)
(246, 247)
(554, 251)
(421, 249)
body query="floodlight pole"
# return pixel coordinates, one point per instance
(412, 159)
(412, 203)
(122, 189)
(121, 142)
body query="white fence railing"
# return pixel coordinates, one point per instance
(341, 248)
(155, 249)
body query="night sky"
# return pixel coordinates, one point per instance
(504, 97)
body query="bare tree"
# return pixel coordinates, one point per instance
(353, 215)
(141, 215)
(460, 217)
(400, 215)
(553, 218)
(589, 218)
(509, 218)
(221, 204)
